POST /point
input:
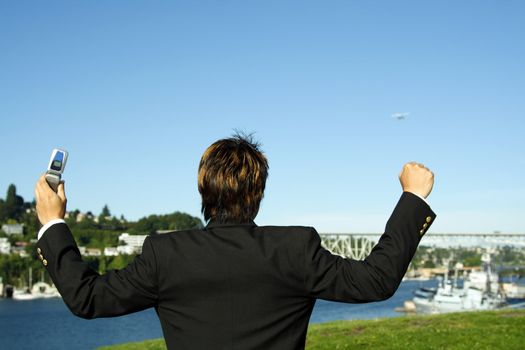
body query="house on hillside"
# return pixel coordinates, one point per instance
(111, 251)
(5, 246)
(130, 244)
(13, 229)
(93, 252)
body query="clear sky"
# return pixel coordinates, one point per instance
(136, 90)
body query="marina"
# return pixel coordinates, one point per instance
(479, 290)
(38, 290)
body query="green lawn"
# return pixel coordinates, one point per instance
(475, 330)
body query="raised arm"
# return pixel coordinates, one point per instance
(85, 292)
(377, 277)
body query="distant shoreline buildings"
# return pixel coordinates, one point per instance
(127, 245)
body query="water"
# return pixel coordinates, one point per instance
(325, 311)
(48, 324)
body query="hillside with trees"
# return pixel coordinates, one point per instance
(90, 231)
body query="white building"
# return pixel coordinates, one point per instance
(126, 250)
(5, 246)
(111, 251)
(93, 252)
(13, 229)
(130, 244)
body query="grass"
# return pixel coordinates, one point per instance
(504, 329)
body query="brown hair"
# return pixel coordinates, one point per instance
(232, 177)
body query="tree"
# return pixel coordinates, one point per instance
(472, 261)
(429, 264)
(2, 210)
(175, 221)
(105, 211)
(13, 205)
(104, 215)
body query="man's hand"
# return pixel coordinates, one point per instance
(49, 205)
(416, 178)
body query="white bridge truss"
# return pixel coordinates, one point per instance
(359, 245)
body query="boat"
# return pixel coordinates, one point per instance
(514, 288)
(425, 293)
(23, 294)
(39, 290)
(480, 291)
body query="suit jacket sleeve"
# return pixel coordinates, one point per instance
(333, 277)
(88, 294)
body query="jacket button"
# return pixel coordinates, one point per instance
(44, 262)
(38, 250)
(41, 257)
(429, 218)
(421, 232)
(425, 225)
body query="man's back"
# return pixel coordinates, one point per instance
(233, 287)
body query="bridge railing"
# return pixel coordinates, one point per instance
(359, 245)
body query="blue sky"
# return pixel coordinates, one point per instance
(136, 90)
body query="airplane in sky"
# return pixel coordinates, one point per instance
(400, 115)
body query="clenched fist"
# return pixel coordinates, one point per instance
(416, 178)
(49, 204)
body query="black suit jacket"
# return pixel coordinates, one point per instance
(236, 286)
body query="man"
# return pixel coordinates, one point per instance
(233, 284)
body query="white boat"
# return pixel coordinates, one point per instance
(37, 291)
(44, 290)
(480, 291)
(23, 294)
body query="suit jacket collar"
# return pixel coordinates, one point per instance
(215, 223)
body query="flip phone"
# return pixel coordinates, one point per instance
(56, 166)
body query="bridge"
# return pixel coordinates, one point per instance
(359, 245)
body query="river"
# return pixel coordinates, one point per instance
(48, 324)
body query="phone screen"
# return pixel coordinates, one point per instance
(57, 161)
